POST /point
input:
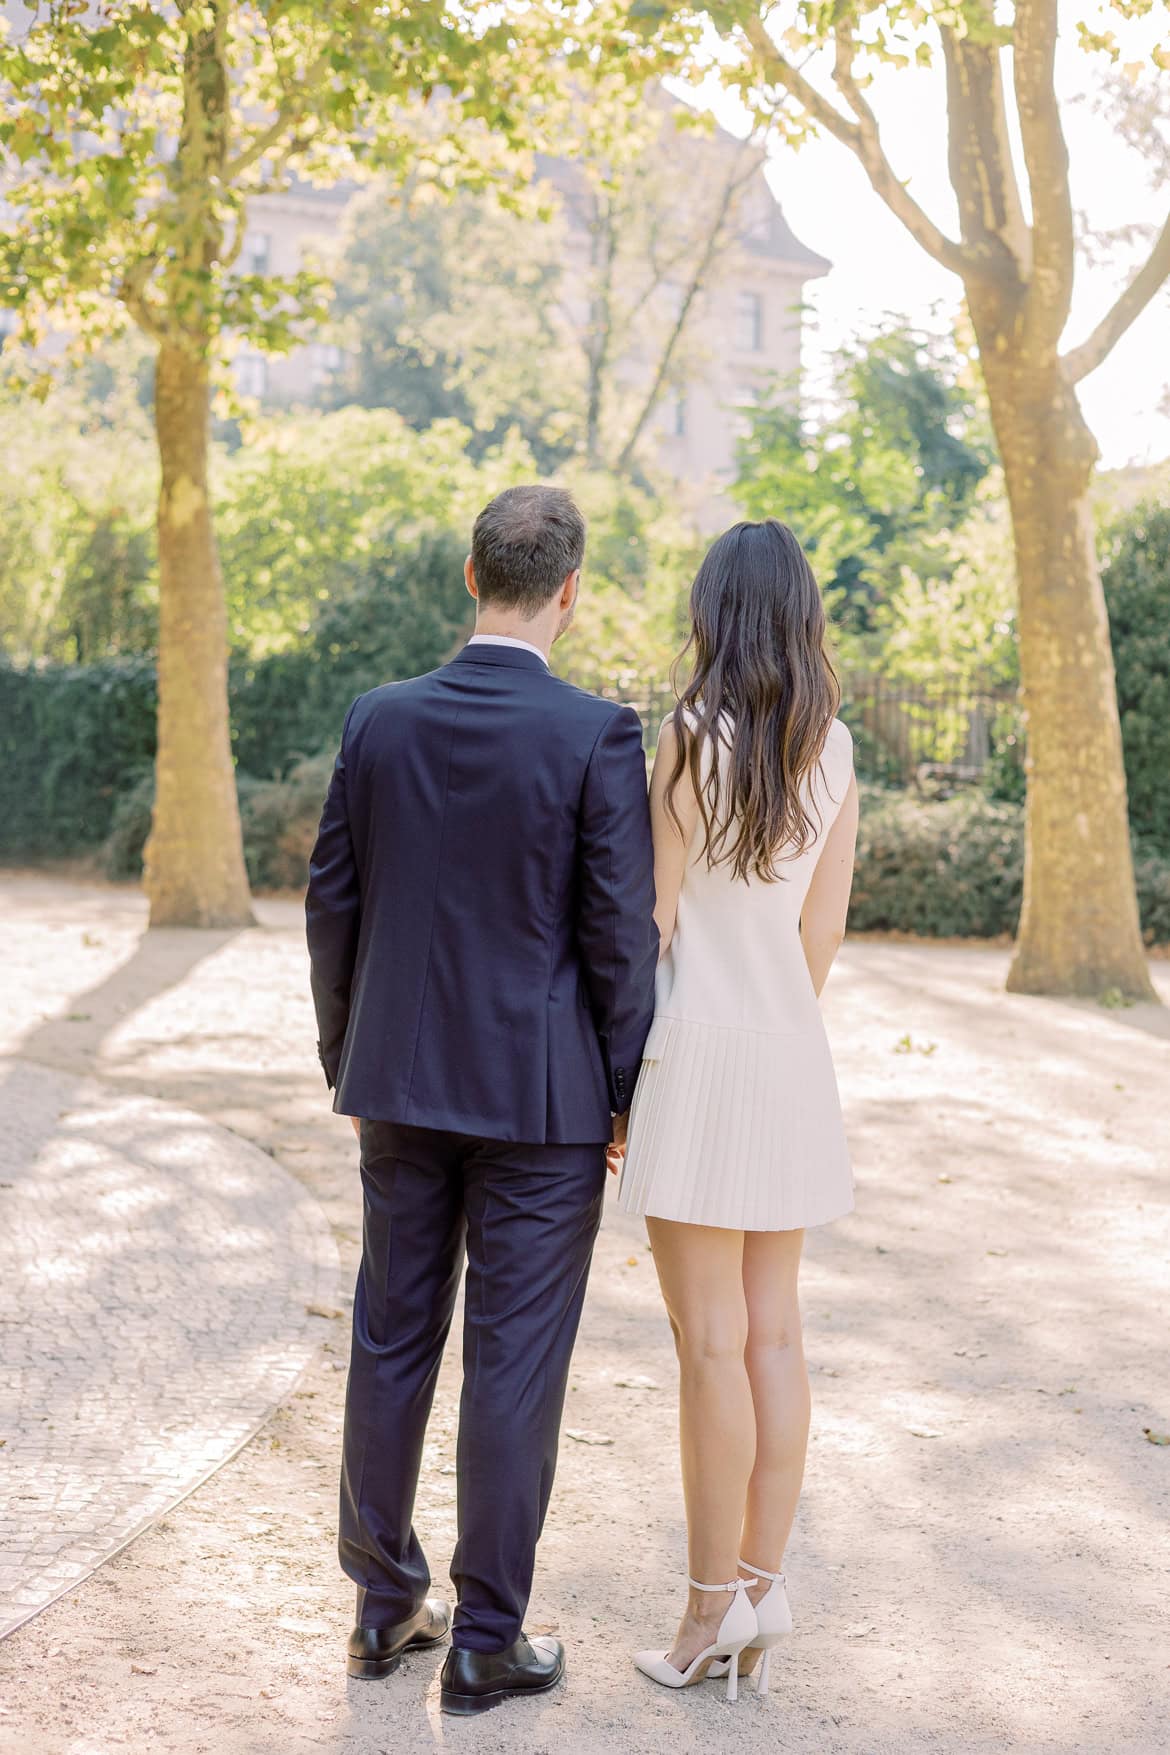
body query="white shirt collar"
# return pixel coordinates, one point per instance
(507, 640)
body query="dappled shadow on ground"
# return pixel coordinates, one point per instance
(976, 1560)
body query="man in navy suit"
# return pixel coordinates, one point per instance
(481, 934)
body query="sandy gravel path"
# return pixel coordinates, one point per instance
(980, 1559)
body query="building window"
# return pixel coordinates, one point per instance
(742, 404)
(252, 374)
(674, 416)
(324, 361)
(749, 322)
(255, 253)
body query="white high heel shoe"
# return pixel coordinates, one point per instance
(774, 1619)
(736, 1630)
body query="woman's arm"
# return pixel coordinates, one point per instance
(822, 919)
(670, 843)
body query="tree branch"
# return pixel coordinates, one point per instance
(132, 293)
(863, 140)
(1130, 304)
(1046, 157)
(724, 211)
(290, 113)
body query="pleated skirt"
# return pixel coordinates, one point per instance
(736, 1128)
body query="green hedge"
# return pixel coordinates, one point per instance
(74, 741)
(949, 869)
(279, 820)
(1137, 591)
(954, 868)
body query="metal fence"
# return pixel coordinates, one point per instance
(901, 731)
(952, 729)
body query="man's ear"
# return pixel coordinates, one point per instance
(469, 578)
(569, 589)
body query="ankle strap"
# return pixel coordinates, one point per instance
(759, 1571)
(736, 1584)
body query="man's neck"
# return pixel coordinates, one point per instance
(515, 628)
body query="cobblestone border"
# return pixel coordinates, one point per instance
(157, 1279)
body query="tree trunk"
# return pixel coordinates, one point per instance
(1079, 931)
(195, 874)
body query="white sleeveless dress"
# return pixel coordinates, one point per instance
(736, 1119)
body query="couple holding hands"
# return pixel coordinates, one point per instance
(525, 971)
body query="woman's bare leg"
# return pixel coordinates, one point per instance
(700, 1270)
(780, 1393)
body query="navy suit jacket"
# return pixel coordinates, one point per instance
(480, 905)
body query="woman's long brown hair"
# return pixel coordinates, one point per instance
(761, 685)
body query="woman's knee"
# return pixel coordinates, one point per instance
(776, 1337)
(708, 1336)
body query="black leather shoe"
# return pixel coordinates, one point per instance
(475, 1681)
(374, 1652)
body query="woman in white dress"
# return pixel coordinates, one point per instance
(736, 1142)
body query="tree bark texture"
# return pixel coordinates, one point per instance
(195, 873)
(1079, 930)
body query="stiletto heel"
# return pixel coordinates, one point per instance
(774, 1620)
(736, 1631)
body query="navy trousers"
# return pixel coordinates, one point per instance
(526, 1216)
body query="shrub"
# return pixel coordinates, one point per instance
(952, 868)
(278, 817)
(75, 741)
(72, 739)
(942, 869)
(399, 613)
(1137, 591)
(280, 820)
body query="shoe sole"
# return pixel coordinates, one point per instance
(377, 1669)
(466, 1705)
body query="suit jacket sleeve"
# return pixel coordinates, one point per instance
(333, 908)
(616, 933)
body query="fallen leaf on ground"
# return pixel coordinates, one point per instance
(1156, 1437)
(860, 1631)
(635, 1383)
(923, 1432)
(631, 1261)
(997, 1252)
(326, 1310)
(583, 1437)
(137, 1669)
(294, 1624)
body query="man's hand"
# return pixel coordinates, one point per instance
(357, 1126)
(615, 1152)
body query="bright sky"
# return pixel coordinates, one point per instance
(878, 268)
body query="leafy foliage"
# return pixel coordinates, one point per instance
(875, 483)
(279, 820)
(310, 500)
(955, 869)
(1137, 591)
(452, 311)
(78, 483)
